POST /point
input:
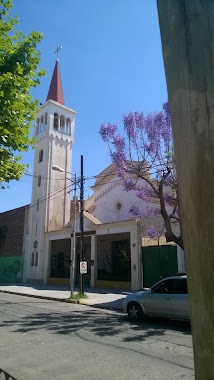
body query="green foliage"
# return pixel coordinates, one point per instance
(78, 296)
(19, 72)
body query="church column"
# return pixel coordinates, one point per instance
(136, 262)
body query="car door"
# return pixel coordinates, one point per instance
(181, 307)
(159, 302)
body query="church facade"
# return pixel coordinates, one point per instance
(51, 234)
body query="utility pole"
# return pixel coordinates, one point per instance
(187, 36)
(82, 254)
(73, 247)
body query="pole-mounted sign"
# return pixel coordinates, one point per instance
(83, 267)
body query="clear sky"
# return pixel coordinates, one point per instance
(111, 63)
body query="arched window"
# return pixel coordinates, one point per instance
(62, 124)
(56, 121)
(68, 126)
(42, 127)
(37, 127)
(40, 156)
(46, 118)
(32, 259)
(39, 180)
(36, 259)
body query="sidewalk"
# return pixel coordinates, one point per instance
(102, 298)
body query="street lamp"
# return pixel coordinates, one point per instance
(58, 169)
(73, 248)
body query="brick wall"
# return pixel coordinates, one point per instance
(12, 228)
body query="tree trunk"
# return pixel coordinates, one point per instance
(187, 33)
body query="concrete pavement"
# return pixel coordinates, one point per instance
(102, 298)
(44, 340)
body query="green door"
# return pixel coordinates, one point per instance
(158, 262)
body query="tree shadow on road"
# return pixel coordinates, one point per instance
(101, 323)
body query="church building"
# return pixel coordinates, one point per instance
(50, 233)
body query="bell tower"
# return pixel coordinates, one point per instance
(50, 203)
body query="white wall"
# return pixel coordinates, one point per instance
(106, 198)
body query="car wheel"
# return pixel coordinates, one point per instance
(135, 312)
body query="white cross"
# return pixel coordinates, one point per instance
(57, 50)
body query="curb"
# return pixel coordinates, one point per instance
(67, 300)
(35, 296)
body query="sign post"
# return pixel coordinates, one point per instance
(83, 267)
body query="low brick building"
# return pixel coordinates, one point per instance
(13, 227)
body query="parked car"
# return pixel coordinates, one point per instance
(168, 299)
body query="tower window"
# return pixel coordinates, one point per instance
(32, 259)
(62, 123)
(40, 156)
(56, 121)
(37, 205)
(39, 180)
(42, 127)
(37, 127)
(68, 126)
(46, 118)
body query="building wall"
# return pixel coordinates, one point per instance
(15, 223)
(109, 197)
(158, 223)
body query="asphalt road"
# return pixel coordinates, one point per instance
(42, 339)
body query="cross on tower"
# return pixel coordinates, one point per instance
(57, 50)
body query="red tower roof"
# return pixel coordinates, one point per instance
(55, 90)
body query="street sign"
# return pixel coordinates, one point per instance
(83, 267)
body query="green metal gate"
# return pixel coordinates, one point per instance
(121, 261)
(114, 258)
(158, 262)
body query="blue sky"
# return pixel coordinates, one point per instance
(111, 63)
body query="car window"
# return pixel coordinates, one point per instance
(165, 286)
(181, 286)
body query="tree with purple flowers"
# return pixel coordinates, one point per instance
(145, 152)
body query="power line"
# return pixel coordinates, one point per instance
(41, 200)
(49, 178)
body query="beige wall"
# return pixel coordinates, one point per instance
(158, 223)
